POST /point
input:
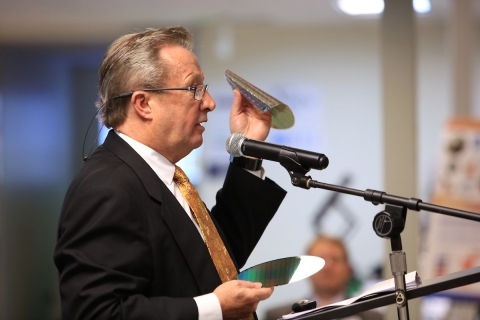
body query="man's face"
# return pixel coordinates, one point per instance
(332, 279)
(177, 114)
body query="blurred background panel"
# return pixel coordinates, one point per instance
(325, 63)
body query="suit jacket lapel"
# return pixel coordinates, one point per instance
(181, 227)
(192, 245)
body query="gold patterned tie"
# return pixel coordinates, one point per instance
(218, 252)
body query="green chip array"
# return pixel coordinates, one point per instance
(273, 273)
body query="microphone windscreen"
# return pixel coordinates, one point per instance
(234, 144)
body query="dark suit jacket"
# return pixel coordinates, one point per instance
(126, 249)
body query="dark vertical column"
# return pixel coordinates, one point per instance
(35, 91)
(47, 101)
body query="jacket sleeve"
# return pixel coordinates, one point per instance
(244, 207)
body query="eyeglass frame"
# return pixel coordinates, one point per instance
(196, 89)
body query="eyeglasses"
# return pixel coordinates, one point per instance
(198, 91)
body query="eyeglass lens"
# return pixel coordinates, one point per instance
(200, 92)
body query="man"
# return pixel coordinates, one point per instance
(134, 239)
(329, 284)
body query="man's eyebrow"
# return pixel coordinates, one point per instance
(195, 77)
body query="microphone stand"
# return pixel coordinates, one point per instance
(388, 223)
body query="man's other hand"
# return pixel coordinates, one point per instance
(240, 298)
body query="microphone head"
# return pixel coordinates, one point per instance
(282, 115)
(234, 144)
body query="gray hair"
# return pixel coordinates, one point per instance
(132, 62)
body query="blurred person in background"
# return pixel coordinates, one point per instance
(135, 240)
(334, 283)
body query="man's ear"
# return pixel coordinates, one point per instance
(141, 105)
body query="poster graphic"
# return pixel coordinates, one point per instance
(453, 244)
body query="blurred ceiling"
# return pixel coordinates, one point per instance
(97, 21)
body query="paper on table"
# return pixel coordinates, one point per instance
(411, 281)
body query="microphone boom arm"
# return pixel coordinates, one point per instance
(377, 197)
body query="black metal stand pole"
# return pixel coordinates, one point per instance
(398, 263)
(389, 224)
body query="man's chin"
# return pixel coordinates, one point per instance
(198, 143)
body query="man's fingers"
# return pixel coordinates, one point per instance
(260, 293)
(263, 293)
(248, 284)
(238, 298)
(237, 99)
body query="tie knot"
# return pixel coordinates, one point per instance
(179, 176)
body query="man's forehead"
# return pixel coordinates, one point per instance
(328, 246)
(177, 55)
(180, 61)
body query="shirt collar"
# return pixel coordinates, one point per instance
(160, 165)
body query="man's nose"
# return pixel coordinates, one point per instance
(208, 102)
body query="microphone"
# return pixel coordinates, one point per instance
(238, 145)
